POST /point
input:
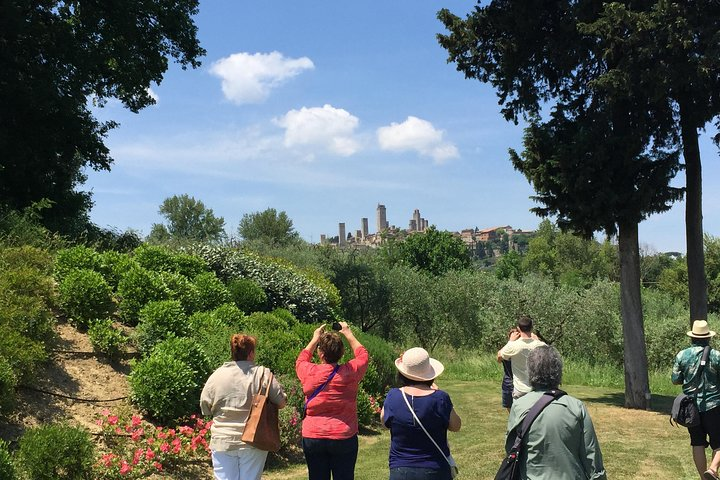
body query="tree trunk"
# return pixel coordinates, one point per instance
(693, 219)
(637, 388)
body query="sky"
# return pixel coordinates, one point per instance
(323, 109)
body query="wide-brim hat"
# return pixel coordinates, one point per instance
(416, 364)
(700, 329)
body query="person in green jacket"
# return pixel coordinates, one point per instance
(561, 443)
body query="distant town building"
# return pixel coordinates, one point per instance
(381, 217)
(364, 227)
(341, 234)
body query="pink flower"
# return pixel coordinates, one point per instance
(118, 430)
(112, 419)
(136, 420)
(203, 432)
(125, 468)
(138, 456)
(99, 421)
(149, 454)
(150, 441)
(171, 432)
(187, 431)
(136, 434)
(164, 447)
(158, 465)
(107, 459)
(105, 412)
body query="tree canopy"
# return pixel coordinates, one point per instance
(268, 227)
(604, 158)
(56, 58)
(187, 220)
(434, 251)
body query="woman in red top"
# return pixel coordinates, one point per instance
(330, 426)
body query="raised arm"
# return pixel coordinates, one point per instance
(345, 330)
(315, 339)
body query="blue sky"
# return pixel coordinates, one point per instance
(324, 109)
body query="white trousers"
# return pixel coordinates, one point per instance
(244, 464)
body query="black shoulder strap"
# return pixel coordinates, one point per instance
(547, 398)
(704, 359)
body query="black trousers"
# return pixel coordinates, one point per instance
(324, 456)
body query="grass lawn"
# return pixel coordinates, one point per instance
(635, 444)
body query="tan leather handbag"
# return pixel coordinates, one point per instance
(262, 429)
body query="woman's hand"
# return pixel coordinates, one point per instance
(345, 329)
(319, 331)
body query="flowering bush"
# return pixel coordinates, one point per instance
(368, 408)
(136, 448)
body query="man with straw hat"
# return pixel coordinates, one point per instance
(702, 384)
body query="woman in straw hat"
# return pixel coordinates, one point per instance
(419, 415)
(704, 386)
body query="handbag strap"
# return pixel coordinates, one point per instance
(701, 367)
(319, 389)
(423, 427)
(547, 398)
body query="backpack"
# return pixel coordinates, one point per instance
(684, 410)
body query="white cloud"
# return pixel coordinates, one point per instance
(153, 94)
(328, 128)
(418, 135)
(249, 78)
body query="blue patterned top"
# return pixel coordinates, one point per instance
(705, 388)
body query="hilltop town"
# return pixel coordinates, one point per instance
(482, 243)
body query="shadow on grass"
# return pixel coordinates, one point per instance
(658, 404)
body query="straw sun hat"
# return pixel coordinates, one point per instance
(700, 329)
(416, 364)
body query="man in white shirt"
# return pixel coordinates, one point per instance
(521, 342)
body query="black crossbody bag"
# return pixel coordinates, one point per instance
(510, 466)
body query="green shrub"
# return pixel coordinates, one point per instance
(285, 285)
(22, 353)
(277, 350)
(211, 291)
(8, 382)
(230, 315)
(381, 369)
(107, 339)
(247, 295)
(163, 259)
(27, 299)
(74, 258)
(136, 288)
(366, 410)
(54, 452)
(260, 322)
(164, 387)
(7, 468)
(113, 266)
(182, 289)
(85, 296)
(27, 256)
(285, 315)
(189, 352)
(158, 321)
(213, 337)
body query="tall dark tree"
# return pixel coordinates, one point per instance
(675, 57)
(600, 162)
(57, 56)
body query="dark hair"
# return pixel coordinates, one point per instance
(241, 346)
(545, 367)
(701, 342)
(331, 346)
(404, 381)
(525, 324)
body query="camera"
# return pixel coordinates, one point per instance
(336, 326)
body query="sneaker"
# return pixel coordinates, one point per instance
(710, 475)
